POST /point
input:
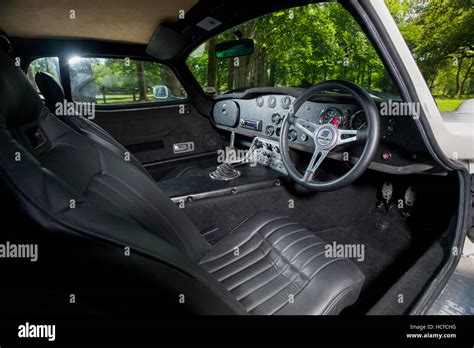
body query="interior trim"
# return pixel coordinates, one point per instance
(226, 191)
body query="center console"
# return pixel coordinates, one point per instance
(261, 166)
(266, 152)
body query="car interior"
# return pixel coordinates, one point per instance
(205, 201)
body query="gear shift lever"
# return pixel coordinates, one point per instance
(226, 171)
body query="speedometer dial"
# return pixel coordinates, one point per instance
(358, 120)
(331, 115)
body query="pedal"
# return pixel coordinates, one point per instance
(387, 194)
(409, 199)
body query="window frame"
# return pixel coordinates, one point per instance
(64, 71)
(126, 106)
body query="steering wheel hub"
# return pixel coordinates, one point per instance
(326, 137)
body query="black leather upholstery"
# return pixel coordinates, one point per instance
(52, 91)
(269, 260)
(53, 94)
(5, 45)
(114, 200)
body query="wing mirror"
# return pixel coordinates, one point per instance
(161, 92)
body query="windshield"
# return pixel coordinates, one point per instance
(296, 47)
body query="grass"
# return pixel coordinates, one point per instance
(446, 103)
(121, 98)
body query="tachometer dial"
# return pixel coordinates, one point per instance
(358, 121)
(331, 115)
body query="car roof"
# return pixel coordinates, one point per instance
(108, 20)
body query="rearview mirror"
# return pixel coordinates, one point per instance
(235, 48)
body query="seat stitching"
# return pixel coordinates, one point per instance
(250, 278)
(244, 268)
(290, 282)
(294, 296)
(311, 259)
(279, 273)
(243, 243)
(293, 260)
(294, 242)
(281, 256)
(288, 234)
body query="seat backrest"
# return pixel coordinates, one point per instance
(51, 90)
(92, 171)
(66, 182)
(53, 94)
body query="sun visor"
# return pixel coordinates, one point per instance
(166, 43)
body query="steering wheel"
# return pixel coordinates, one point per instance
(328, 136)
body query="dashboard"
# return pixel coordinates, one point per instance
(401, 149)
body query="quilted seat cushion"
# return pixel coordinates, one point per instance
(275, 266)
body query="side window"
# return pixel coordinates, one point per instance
(122, 81)
(48, 65)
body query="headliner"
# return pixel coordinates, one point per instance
(132, 21)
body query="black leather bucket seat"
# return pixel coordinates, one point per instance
(266, 265)
(53, 93)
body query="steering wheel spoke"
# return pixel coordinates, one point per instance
(318, 157)
(308, 128)
(352, 135)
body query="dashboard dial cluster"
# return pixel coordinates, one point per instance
(343, 119)
(264, 115)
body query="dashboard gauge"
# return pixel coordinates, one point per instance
(358, 121)
(285, 103)
(331, 115)
(269, 130)
(272, 102)
(260, 101)
(276, 118)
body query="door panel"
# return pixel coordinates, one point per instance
(151, 133)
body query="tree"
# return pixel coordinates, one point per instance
(304, 45)
(141, 81)
(211, 64)
(440, 34)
